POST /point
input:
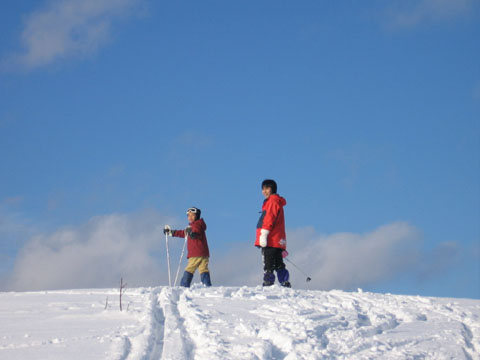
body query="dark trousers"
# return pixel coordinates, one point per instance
(272, 259)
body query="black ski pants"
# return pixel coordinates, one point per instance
(272, 259)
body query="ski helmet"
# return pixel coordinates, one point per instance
(196, 211)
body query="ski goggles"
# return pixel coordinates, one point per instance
(192, 210)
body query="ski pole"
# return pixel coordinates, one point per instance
(168, 262)
(308, 277)
(180, 262)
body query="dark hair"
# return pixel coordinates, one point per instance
(271, 184)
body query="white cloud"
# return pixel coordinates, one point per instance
(66, 28)
(96, 254)
(108, 247)
(337, 261)
(347, 260)
(411, 13)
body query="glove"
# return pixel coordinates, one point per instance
(263, 237)
(167, 230)
(188, 230)
(284, 254)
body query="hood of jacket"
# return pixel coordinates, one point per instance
(277, 198)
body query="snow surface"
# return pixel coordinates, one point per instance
(235, 323)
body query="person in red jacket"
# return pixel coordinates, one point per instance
(197, 247)
(271, 235)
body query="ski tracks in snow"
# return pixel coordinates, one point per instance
(176, 342)
(160, 334)
(236, 323)
(145, 340)
(278, 323)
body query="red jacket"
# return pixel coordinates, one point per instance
(197, 241)
(273, 220)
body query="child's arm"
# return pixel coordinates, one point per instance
(193, 233)
(178, 233)
(175, 233)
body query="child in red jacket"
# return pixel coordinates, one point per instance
(197, 247)
(271, 235)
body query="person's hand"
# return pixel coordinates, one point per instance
(284, 254)
(188, 230)
(167, 230)
(263, 237)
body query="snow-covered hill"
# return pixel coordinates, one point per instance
(236, 323)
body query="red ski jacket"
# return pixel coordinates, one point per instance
(197, 241)
(273, 220)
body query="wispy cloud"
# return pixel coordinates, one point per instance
(13, 200)
(343, 260)
(95, 254)
(68, 28)
(108, 247)
(411, 13)
(348, 260)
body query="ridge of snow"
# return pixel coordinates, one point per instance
(236, 323)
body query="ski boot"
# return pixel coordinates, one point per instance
(283, 277)
(268, 278)
(186, 279)
(205, 277)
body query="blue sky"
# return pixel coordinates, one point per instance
(367, 115)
